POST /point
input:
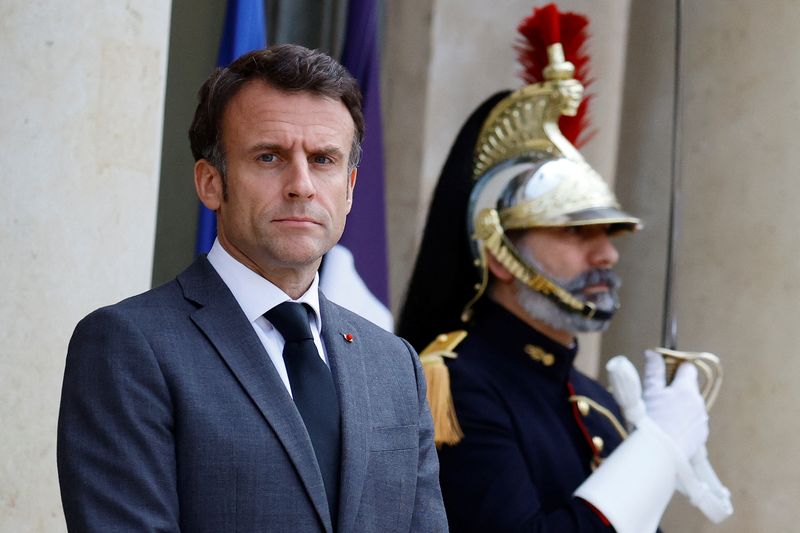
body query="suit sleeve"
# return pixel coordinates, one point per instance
(115, 452)
(429, 513)
(486, 478)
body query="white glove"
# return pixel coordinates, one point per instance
(681, 413)
(678, 409)
(633, 486)
(696, 479)
(705, 490)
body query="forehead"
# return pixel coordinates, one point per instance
(259, 109)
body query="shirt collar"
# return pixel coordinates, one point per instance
(257, 295)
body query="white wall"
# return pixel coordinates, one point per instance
(81, 97)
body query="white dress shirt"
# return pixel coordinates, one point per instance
(256, 296)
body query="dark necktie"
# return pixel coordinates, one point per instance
(313, 392)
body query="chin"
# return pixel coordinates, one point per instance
(541, 308)
(292, 249)
(588, 325)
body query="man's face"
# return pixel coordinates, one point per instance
(289, 188)
(579, 259)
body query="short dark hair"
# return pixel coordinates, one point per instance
(287, 67)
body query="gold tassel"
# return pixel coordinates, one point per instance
(446, 429)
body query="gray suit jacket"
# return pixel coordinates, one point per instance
(174, 419)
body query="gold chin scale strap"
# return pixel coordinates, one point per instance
(489, 232)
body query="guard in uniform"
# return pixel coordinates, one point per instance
(526, 441)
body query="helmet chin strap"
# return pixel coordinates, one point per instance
(489, 231)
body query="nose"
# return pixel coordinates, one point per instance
(603, 253)
(299, 184)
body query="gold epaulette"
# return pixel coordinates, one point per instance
(446, 429)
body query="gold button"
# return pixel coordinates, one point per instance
(442, 337)
(583, 407)
(598, 443)
(537, 354)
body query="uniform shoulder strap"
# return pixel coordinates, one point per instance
(446, 429)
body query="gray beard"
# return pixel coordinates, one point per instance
(540, 307)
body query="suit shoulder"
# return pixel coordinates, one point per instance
(158, 300)
(363, 324)
(381, 345)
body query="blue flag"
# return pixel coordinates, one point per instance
(245, 30)
(365, 233)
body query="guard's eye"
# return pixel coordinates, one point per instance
(267, 158)
(589, 230)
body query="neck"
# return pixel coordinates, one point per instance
(503, 294)
(291, 280)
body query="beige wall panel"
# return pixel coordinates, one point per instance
(738, 261)
(82, 101)
(407, 48)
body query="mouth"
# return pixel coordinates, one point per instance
(595, 291)
(595, 288)
(296, 221)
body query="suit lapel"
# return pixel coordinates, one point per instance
(347, 365)
(223, 322)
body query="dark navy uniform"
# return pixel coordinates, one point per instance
(530, 435)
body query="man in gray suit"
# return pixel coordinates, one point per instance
(237, 397)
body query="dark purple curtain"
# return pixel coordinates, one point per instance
(365, 234)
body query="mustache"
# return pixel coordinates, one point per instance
(593, 277)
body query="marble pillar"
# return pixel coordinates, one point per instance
(81, 98)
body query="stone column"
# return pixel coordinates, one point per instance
(738, 261)
(81, 98)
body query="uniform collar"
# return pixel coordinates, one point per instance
(513, 336)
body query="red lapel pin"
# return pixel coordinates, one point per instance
(348, 337)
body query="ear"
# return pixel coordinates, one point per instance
(208, 184)
(499, 271)
(351, 184)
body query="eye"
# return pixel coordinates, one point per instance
(584, 232)
(321, 159)
(267, 158)
(589, 231)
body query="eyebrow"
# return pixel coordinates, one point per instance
(266, 147)
(330, 149)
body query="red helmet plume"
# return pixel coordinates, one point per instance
(547, 26)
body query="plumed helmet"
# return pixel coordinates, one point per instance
(527, 174)
(514, 165)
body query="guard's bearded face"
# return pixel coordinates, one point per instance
(579, 259)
